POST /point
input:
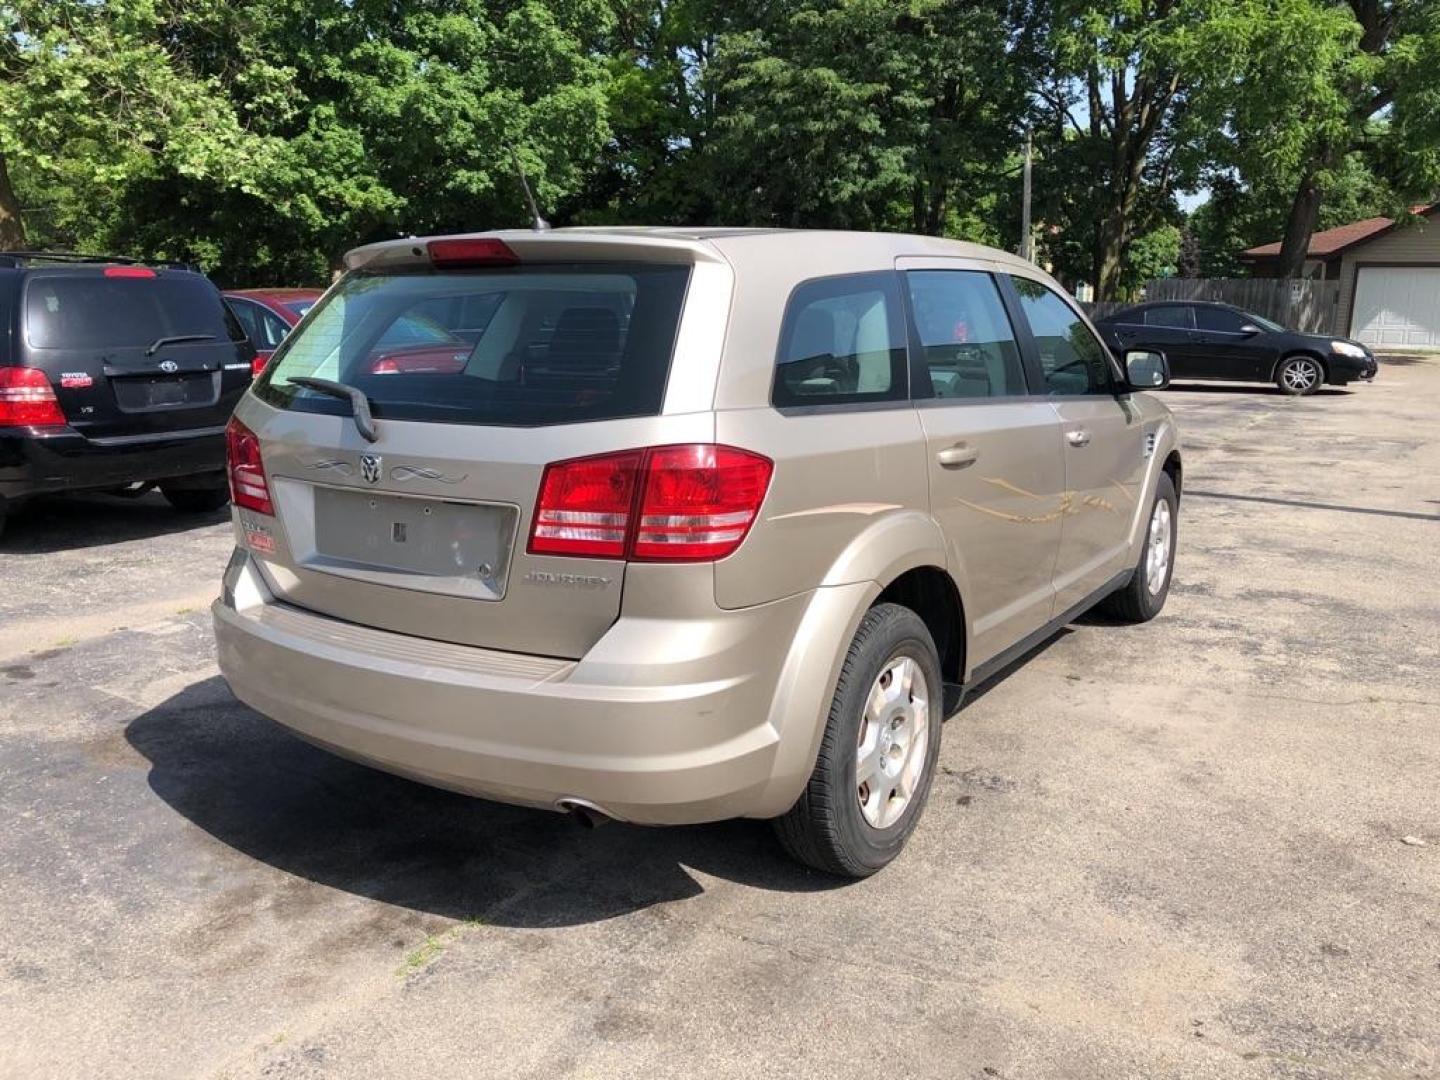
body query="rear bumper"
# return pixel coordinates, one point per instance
(658, 724)
(42, 461)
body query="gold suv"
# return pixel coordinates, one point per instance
(676, 525)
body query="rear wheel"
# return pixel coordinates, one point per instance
(877, 757)
(1141, 600)
(196, 500)
(1299, 375)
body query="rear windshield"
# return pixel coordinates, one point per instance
(88, 311)
(525, 345)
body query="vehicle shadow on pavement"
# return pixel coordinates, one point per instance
(1252, 388)
(268, 795)
(68, 523)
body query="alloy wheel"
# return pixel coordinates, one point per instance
(1301, 375)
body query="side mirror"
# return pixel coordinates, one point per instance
(1146, 369)
(1250, 328)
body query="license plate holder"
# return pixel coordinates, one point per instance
(147, 393)
(414, 542)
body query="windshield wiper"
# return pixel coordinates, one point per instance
(176, 340)
(359, 403)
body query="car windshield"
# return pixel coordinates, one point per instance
(524, 345)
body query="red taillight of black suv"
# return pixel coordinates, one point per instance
(689, 503)
(27, 399)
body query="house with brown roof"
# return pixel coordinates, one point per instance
(1388, 276)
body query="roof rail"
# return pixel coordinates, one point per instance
(15, 258)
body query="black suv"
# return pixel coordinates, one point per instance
(115, 376)
(1204, 340)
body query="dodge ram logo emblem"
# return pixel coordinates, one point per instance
(370, 468)
(169, 367)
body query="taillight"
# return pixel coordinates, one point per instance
(27, 399)
(257, 365)
(691, 503)
(699, 502)
(586, 506)
(248, 486)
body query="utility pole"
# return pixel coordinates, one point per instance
(1026, 241)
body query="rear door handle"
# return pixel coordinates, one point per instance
(957, 456)
(1078, 437)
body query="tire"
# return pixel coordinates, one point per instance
(828, 828)
(1299, 376)
(193, 500)
(1137, 601)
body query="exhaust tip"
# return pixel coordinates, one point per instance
(584, 812)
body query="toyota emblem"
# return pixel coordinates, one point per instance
(169, 367)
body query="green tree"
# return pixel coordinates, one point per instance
(91, 94)
(660, 112)
(1240, 215)
(1136, 90)
(1336, 88)
(869, 113)
(288, 133)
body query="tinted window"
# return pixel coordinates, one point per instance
(1072, 358)
(1173, 315)
(262, 327)
(88, 311)
(247, 314)
(1221, 319)
(300, 307)
(965, 335)
(527, 345)
(842, 341)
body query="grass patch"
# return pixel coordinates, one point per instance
(423, 956)
(434, 944)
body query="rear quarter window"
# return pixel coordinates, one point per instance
(529, 345)
(90, 311)
(842, 342)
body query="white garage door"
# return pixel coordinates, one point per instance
(1397, 306)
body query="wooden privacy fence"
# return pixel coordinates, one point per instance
(1299, 305)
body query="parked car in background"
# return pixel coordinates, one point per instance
(115, 375)
(268, 315)
(1216, 341)
(701, 524)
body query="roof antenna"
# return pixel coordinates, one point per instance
(537, 223)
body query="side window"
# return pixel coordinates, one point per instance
(244, 312)
(274, 329)
(966, 340)
(264, 328)
(1175, 316)
(1072, 358)
(1219, 319)
(842, 341)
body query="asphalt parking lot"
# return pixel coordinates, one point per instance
(1205, 847)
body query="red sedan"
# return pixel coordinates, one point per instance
(268, 314)
(414, 344)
